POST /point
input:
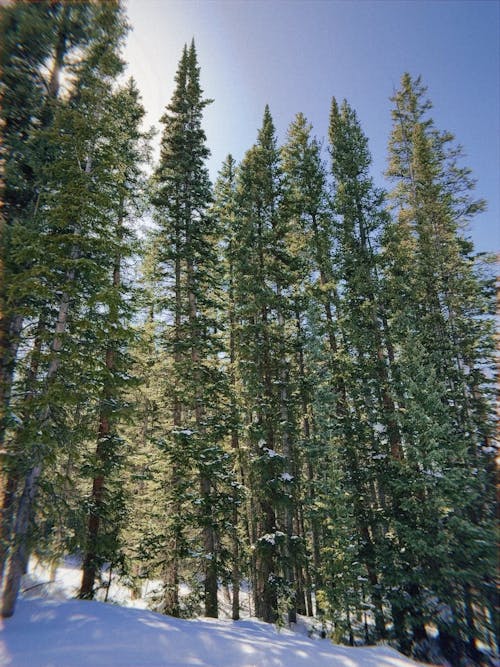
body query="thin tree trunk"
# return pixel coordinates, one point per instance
(235, 572)
(469, 618)
(235, 446)
(90, 563)
(306, 569)
(208, 530)
(8, 512)
(19, 551)
(306, 431)
(264, 560)
(171, 577)
(288, 454)
(265, 597)
(12, 478)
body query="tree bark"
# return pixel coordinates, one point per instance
(19, 552)
(90, 563)
(235, 446)
(12, 475)
(288, 454)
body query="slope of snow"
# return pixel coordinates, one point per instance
(51, 630)
(74, 633)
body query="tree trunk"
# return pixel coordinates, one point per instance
(211, 569)
(19, 552)
(306, 569)
(90, 561)
(235, 446)
(171, 577)
(208, 529)
(19, 556)
(235, 573)
(265, 594)
(8, 511)
(12, 476)
(171, 581)
(400, 631)
(288, 454)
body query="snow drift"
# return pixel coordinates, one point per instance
(74, 633)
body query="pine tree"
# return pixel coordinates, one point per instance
(263, 275)
(306, 208)
(70, 255)
(225, 209)
(445, 347)
(186, 239)
(30, 90)
(127, 152)
(373, 375)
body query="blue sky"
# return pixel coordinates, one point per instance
(296, 54)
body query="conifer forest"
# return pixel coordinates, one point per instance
(280, 382)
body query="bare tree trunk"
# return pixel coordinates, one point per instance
(235, 573)
(4, 327)
(307, 582)
(8, 512)
(171, 581)
(306, 431)
(265, 595)
(10, 329)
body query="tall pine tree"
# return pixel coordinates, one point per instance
(187, 270)
(445, 345)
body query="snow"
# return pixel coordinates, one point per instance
(53, 631)
(183, 431)
(271, 452)
(271, 537)
(75, 633)
(434, 473)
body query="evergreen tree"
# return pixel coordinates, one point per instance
(48, 32)
(187, 262)
(445, 346)
(127, 150)
(361, 219)
(263, 276)
(306, 208)
(70, 257)
(225, 209)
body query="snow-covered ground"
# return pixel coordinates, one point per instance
(50, 630)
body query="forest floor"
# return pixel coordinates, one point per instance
(50, 629)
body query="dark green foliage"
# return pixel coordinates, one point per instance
(187, 282)
(296, 391)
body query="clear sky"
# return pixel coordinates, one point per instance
(296, 54)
